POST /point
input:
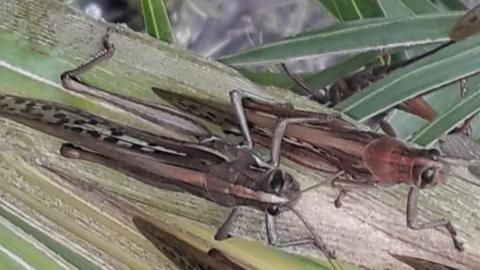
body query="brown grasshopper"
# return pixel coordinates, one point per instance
(358, 158)
(227, 174)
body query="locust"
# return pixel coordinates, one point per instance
(356, 158)
(230, 175)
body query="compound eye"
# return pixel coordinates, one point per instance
(273, 210)
(433, 154)
(276, 182)
(427, 177)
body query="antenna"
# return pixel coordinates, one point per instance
(329, 180)
(472, 165)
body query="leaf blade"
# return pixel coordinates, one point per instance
(352, 9)
(352, 37)
(454, 4)
(446, 66)
(445, 122)
(156, 19)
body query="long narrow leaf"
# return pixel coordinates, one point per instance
(352, 37)
(193, 245)
(361, 9)
(267, 78)
(405, 123)
(446, 66)
(59, 248)
(391, 9)
(349, 10)
(420, 6)
(333, 9)
(25, 251)
(454, 4)
(395, 9)
(330, 75)
(467, 107)
(441, 99)
(368, 8)
(156, 19)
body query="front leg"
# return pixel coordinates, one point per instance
(273, 239)
(346, 186)
(272, 235)
(414, 223)
(224, 231)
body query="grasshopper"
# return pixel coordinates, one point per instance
(228, 174)
(356, 158)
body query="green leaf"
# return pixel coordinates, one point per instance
(445, 122)
(454, 5)
(268, 78)
(342, 10)
(157, 23)
(352, 37)
(395, 9)
(420, 6)
(337, 12)
(330, 75)
(192, 244)
(23, 250)
(7, 262)
(446, 66)
(405, 123)
(407, 8)
(362, 9)
(317, 80)
(57, 247)
(440, 100)
(349, 10)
